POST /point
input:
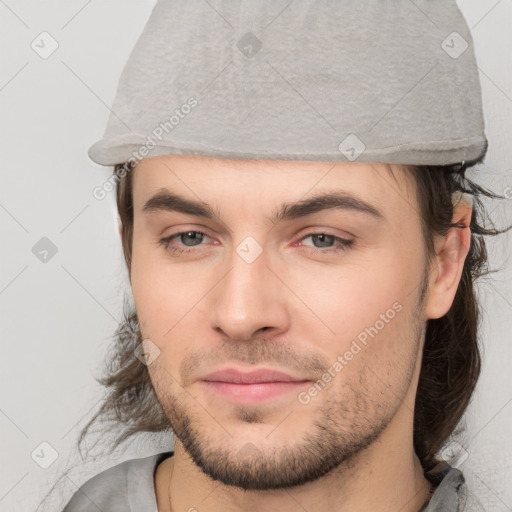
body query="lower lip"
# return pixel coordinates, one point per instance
(253, 393)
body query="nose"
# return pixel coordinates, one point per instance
(251, 297)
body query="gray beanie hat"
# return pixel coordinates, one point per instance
(327, 80)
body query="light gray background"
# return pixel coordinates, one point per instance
(57, 317)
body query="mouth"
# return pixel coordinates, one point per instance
(251, 387)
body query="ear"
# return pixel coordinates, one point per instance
(451, 251)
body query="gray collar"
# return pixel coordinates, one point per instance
(450, 491)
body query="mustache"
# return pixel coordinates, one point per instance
(258, 352)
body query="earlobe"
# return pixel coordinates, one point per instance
(451, 252)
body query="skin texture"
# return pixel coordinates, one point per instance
(350, 447)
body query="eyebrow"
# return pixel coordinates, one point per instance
(166, 200)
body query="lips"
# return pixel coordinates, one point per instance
(233, 376)
(254, 387)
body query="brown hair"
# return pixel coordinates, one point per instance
(451, 359)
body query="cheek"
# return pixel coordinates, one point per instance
(363, 317)
(349, 298)
(166, 297)
(151, 291)
(373, 348)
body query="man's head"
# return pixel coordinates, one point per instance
(350, 317)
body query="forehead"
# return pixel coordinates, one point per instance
(223, 182)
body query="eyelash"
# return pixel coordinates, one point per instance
(344, 244)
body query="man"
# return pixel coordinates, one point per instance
(304, 323)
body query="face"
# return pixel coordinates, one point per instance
(330, 297)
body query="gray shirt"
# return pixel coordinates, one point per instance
(129, 487)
